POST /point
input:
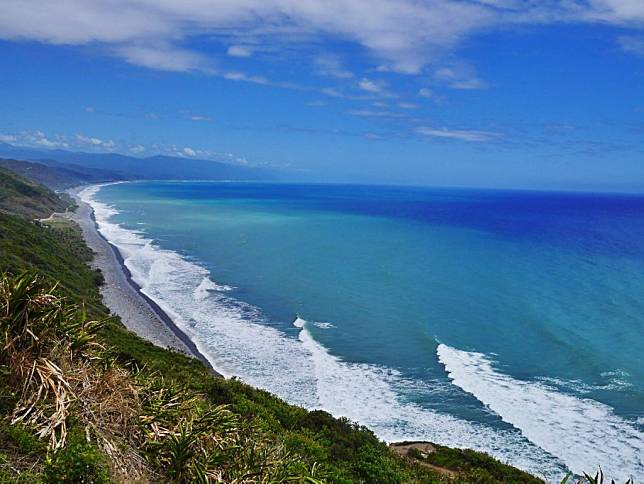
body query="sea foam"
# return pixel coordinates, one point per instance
(370, 394)
(584, 433)
(238, 340)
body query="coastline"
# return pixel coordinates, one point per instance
(123, 296)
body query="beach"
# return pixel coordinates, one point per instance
(122, 295)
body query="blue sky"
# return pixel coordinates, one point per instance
(492, 93)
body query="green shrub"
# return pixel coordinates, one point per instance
(78, 462)
(24, 439)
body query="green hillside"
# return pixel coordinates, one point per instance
(92, 402)
(22, 197)
(58, 176)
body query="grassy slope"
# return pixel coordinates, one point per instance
(344, 451)
(23, 197)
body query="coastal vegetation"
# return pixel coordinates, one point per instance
(84, 400)
(23, 197)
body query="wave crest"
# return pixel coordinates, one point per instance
(584, 433)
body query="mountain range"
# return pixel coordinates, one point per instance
(68, 168)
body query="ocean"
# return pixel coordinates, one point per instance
(504, 321)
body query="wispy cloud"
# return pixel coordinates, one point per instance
(459, 134)
(7, 138)
(632, 44)
(165, 57)
(95, 142)
(378, 88)
(239, 51)
(459, 76)
(332, 66)
(200, 118)
(368, 113)
(40, 139)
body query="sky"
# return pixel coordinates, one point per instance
(539, 94)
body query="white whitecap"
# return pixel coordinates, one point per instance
(584, 433)
(203, 290)
(370, 394)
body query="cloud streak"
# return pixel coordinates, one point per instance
(459, 134)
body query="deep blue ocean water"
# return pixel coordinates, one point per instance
(510, 322)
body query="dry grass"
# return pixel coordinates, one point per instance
(150, 429)
(59, 369)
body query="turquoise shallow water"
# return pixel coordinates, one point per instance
(505, 321)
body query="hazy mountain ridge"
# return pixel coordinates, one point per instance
(58, 176)
(131, 168)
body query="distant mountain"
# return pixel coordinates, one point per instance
(129, 167)
(19, 196)
(59, 176)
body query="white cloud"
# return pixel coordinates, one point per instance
(373, 136)
(459, 76)
(89, 140)
(408, 105)
(95, 142)
(331, 65)
(137, 149)
(189, 152)
(38, 138)
(242, 76)
(370, 86)
(164, 57)
(426, 93)
(463, 135)
(35, 139)
(632, 44)
(402, 36)
(367, 113)
(198, 117)
(239, 51)
(7, 138)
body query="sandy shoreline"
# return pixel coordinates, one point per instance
(123, 296)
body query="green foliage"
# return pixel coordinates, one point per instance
(10, 475)
(58, 254)
(24, 439)
(598, 478)
(41, 335)
(476, 466)
(78, 462)
(23, 197)
(34, 319)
